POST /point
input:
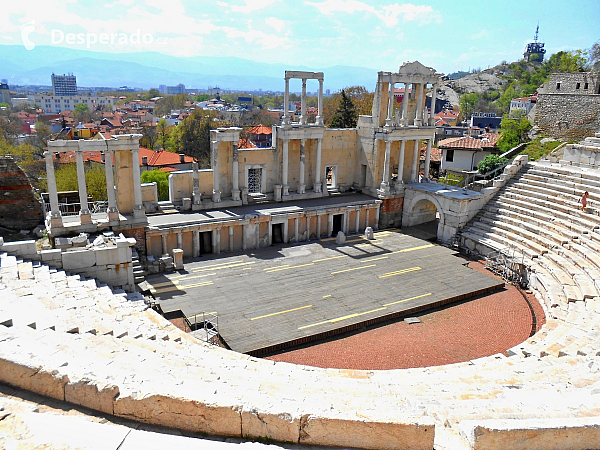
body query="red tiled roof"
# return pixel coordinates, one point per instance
(487, 140)
(245, 143)
(436, 154)
(260, 129)
(159, 159)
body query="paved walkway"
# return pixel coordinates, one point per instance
(279, 296)
(459, 332)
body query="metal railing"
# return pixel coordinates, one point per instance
(72, 209)
(205, 326)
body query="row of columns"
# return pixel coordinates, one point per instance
(414, 172)
(302, 169)
(420, 116)
(286, 120)
(216, 232)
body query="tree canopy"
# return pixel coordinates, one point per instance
(513, 132)
(345, 115)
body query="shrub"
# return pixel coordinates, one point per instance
(162, 182)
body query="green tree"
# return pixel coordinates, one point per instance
(513, 131)
(192, 136)
(346, 115)
(95, 179)
(467, 104)
(81, 112)
(489, 163)
(163, 130)
(162, 182)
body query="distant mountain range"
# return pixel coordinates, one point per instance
(149, 70)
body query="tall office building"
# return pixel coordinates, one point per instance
(64, 84)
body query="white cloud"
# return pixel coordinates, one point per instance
(388, 14)
(251, 6)
(481, 35)
(265, 40)
(275, 23)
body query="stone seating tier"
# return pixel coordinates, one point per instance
(104, 350)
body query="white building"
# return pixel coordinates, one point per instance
(59, 103)
(524, 104)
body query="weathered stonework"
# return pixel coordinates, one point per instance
(19, 209)
(568, 106)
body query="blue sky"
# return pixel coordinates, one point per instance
(447, 35)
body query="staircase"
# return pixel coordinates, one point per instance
(258, 198)
(139, 274)
(166, 207)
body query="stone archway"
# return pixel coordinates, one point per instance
(423, 208)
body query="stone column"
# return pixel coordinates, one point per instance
(84, 212)
(148, 244)
(165, 250)
(244, 237)
(55, 216)
(318, 167)
(308, 228)
(113, 212)
(195, 243)
(376, 227)
(286, 226)
(390, 114)
(296, 226)
(235, 176)
(366, 217)
(357, 221)
(138, 208)
(346, 222)
(385, 183)
(257, 233)
(427, 160)
(303, 117)
(196, 194)
(419, 112)
(405, 106)
(286, 102)
(319, 120)
(301, 185)
(401, 162)
(433, 99)
(319, 226)
(270, 231)
(230, 243)
(329, 225)
(216, 240)
(180, 240)
(216, 194)
(284, 168)
(414, 173)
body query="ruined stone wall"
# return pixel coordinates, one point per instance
(568, 106)
(390, 215)
(19, 208)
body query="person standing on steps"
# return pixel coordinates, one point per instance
(584, 199)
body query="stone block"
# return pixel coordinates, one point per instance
(61, 242)
(279, 427)
(369, 233)
(107, 255)
(186, 204)
(78, 259)
(32, 378)
(340, 238)
(87, 393)
(368, 434)
(51, 256)
(178, 258)
(21, 248)
(532, 434)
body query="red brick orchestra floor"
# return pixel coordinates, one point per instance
(456, 333)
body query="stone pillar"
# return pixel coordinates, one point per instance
(270, 231)
(216, 240)
(401, 163)
(55, 216)
(366, 217)
(84, 212)
(257, 234)
(433, 99)
(329, 225)
(308, 228)
(112, 211)
(138, 209)
(385, 183)
(148, 244)
(427, 160)
(419, 112)
(357, 221)
(180, 240)
(376, 225)
(286, 226)
(346, 225)
(284, 168)
(296, 226)
(390, 114)
(230, 243)
(414, 173)
(235, 176)
(301, 185)
(163, 239)
(195, 243)
(286, 102)
(318, 167)
(405, 106)
(196, 194)
(319, 226)
(319, 119)
(216, 194)
(244, 237)
(303, 117)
